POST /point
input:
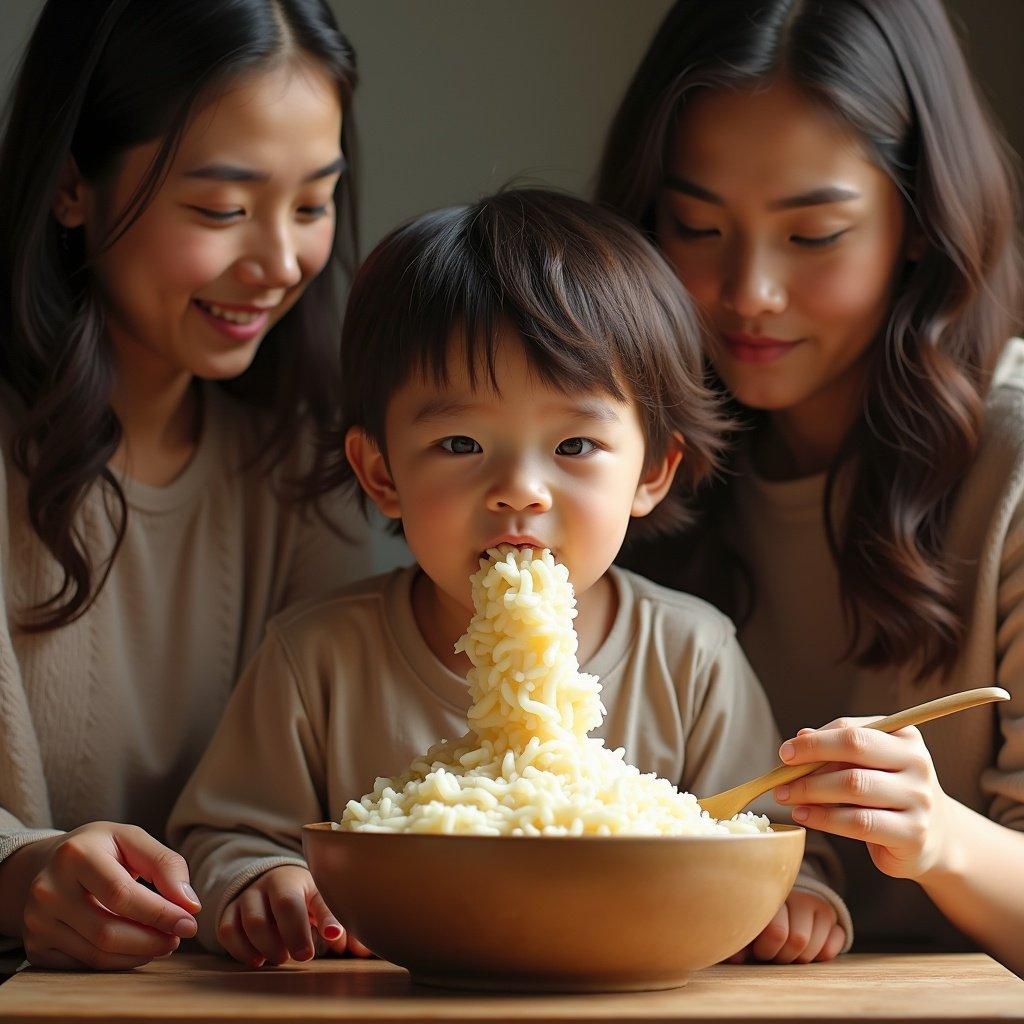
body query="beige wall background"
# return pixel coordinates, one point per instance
(461, 96)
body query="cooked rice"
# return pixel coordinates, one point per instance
(527, 767)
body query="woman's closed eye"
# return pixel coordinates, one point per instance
(315, 212)
(576, 446)
(221, 216)
(459, 444)
(818, 242)
(309, 213)
(686, 231)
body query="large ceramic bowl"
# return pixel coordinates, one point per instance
(553, 914)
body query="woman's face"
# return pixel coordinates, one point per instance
(789, 239)
(242, 224)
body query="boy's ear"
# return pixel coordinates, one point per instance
(371, 470)
(69, 201)
(657, 479)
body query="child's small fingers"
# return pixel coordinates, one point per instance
(801, 926)
(259, 925)
(292, 919)
(233, 939)
(820, 930)
(740, 957)
(833, 944)
(356, 948)
(329, 927)
(767, 945)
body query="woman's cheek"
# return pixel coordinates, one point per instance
(849, 293)
(186, 257)
(319, 248)
(699, 275)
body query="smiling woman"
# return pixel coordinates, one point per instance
(170, 179)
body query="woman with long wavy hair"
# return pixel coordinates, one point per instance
(169, 178)
(831, 191)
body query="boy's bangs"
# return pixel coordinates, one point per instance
(571, 364)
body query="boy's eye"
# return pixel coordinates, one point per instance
(685, 231)
(461, 445)
(817, 243)
(218, 215)
(576, 446)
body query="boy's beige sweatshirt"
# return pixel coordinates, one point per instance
(345, 690)
(796, 637)
(105, 719)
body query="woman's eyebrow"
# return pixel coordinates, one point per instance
(814, 197)
(233, 172)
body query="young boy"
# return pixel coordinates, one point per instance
(525, 370)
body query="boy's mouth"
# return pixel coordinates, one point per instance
(518, 541)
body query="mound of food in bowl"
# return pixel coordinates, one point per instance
(526, 765)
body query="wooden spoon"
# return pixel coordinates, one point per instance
(732, 801)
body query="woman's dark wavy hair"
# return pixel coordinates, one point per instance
(595, 304)
(99, 77)
(895, 73)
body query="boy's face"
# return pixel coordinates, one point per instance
(527, 465)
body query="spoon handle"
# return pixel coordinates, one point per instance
(732, 801)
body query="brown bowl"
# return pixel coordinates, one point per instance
(572, 914)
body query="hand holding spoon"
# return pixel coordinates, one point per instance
(732, 801)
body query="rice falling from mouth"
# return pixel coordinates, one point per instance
(526, 766)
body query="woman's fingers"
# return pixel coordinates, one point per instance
(144, 856)
(852, 744)
(773, 938)
(70, 943)
(862, 787)
(110, 933)
(868, 824)
(100, 873)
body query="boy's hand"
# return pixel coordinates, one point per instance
(803, 930)
(272, 919)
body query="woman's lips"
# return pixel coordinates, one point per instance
(256, 319)
(748, 348)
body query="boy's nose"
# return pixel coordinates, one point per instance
(519, 493)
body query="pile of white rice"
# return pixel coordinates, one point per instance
(526, 767)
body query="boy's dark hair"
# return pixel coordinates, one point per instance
(595, 304)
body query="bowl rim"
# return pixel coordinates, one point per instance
(778, 828)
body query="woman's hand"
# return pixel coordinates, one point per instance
(272, 919)
(880, 788)
(81, 904)
(803, 930)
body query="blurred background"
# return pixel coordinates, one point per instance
(458, 97)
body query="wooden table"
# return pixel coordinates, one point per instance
(199, 988)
